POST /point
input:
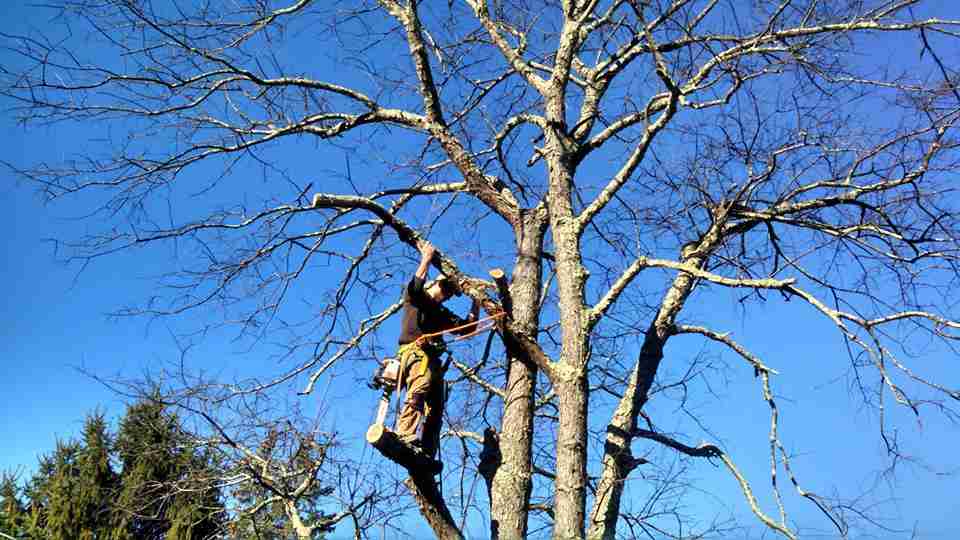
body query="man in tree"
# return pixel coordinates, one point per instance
(425, 320)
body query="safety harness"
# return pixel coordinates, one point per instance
(389, 376)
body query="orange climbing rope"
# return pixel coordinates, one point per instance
(492, 318)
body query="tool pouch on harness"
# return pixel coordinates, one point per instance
(414, 361)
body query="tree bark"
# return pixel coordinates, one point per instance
(400, 453)
(570, 380)
(422, 483)
(571, 470)
(512, 480)
(618, 459)
(304, 532)
(432, 506)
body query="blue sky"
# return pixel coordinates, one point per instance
(54, 322)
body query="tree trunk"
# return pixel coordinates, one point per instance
(618, 459)
(570, 377)
(512, 480)
(571, 471)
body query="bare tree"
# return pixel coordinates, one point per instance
(624, 159)
(277, 474)
(290, 480)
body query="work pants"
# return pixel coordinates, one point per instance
(423, 377)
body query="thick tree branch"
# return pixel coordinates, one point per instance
(641, 263)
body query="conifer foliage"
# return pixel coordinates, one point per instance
(13, 516)
(166, 489)
(147, 482)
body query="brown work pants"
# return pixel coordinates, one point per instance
(421, 374)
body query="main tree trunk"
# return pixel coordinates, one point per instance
(513, 477)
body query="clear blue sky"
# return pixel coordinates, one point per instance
(54, 321)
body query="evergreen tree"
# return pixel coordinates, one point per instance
(166, 485)
(61, 515)
(197, 511)
(13, 516)
(37, 492)
(71, 491)
(97, 481)
(144, 446)
(164, 492)
(266, 515)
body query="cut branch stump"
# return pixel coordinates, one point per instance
(406, 455)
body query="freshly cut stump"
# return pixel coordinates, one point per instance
(394, 449)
